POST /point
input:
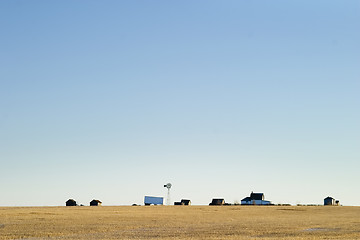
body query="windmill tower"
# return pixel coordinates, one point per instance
(168, 186)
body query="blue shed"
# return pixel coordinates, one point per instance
(149, 200)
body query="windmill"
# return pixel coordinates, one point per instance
(168, 186)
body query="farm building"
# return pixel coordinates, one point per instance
(95, 203)
(331, 201)
(186, 201)
(71, 202)
(217, 201)
(149, 200)
(183, 202)
(255, 199)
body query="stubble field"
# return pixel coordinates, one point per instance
(180, 222)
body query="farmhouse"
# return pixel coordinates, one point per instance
(255, 199)
(95, 203)
(217, 201)
(71, 202)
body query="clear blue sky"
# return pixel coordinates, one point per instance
(112, 99)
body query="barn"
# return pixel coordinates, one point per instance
(217, 202)
(71, 202)
(255, 199)
(95, 202)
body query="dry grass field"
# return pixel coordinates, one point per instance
(180, 222)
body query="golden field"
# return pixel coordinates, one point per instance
(180, 222)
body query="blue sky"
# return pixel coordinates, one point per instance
(113, 99)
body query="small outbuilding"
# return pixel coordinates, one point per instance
(329, 201)
(183, 202)
(71, 202)
(217, 202)
(95, 202)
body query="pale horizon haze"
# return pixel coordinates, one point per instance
(111, 100)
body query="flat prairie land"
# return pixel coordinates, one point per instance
(180, 222)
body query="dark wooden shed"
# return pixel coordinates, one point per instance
(185, 202)
(217, 201)
(95, 203)
(329, 201)
(71, 202)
